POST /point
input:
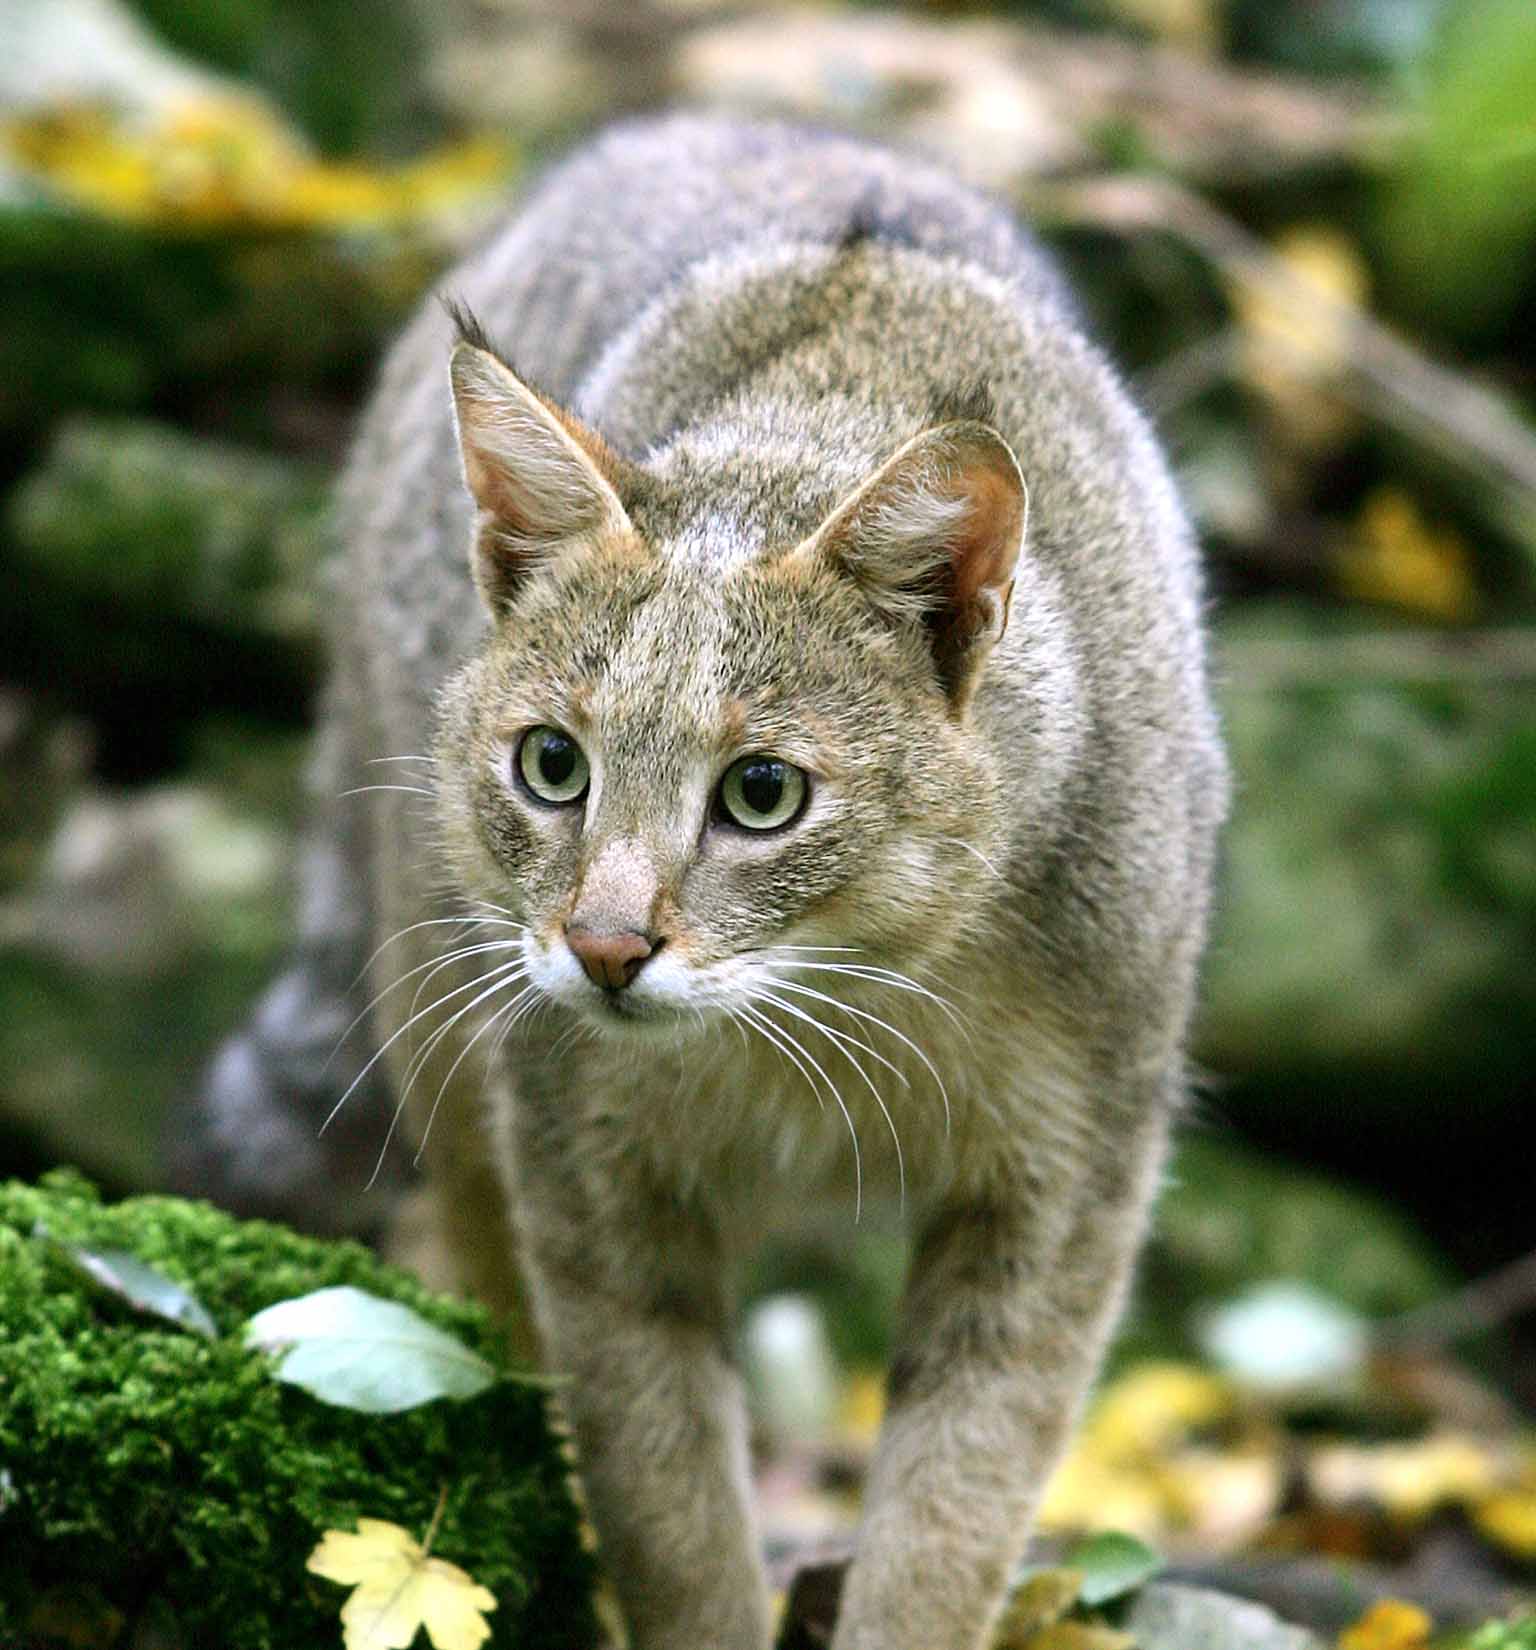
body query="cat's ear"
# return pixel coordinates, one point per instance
(541, 478)
(932, 539)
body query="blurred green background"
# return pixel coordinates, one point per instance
(1306, 227)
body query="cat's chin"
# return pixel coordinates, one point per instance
(625, 1016)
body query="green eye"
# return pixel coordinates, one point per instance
(552, 765)
(760, 793)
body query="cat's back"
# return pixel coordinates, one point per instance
(621, 221)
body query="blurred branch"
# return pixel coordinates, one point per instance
(1483, 1304)
(1449, 409)
(1188, 373)
(1507, 655)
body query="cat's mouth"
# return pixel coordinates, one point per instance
(624, 1011)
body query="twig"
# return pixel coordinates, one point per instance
(1189, 372)
(1451, 409)
(1507, 655)
(437, 1518)
(1483, 1304)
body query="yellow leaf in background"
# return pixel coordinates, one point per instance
(1086, 1494)
(1389, 1625)
(1396, 558)
(1408, 1481)
(1224, 1498)
(1509, 1520)
(1153, 1407)
(861, 1409)
(1293, 336)
(1116, 1475)
(397, 1589)
(1193, 24)
(212, 162)
(1304, 336)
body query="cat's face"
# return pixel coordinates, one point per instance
(690, 764)
(749, 771)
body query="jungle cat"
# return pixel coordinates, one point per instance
(801, 638)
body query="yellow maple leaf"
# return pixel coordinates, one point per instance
(397, 1589)
(1389, 1625)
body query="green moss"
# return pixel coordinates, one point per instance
(162, 1471)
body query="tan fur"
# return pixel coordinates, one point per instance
(865, 501)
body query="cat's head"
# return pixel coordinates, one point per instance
(690, 772)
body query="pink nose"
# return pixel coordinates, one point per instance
(611, 960)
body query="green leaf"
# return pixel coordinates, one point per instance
(1505, 1635)
(358, 1351)
(1112, 1564)
(136, 1283)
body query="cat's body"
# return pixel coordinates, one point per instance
(814, 366)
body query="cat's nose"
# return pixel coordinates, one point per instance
(611, 959)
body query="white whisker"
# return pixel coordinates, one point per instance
(873, 1019)
(844, 1042)
(429, 922)
(975, 853)
(394, 1037)
(436, 964)
(795, 1047)
(493, 980)
(442, 1088)
(878, 976)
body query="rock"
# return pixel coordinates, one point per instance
(1167, 1616)
(1162, 1616)
(1379, 899)
(177, 526)
(145, 1462)
(147, 922)
(82, 51)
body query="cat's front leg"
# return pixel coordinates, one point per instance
(629, 1296)
(1007, 1311)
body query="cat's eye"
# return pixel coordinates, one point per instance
(761, 793)
(552, 765)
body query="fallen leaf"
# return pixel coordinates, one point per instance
(1509, 1520)
(136, 1283)
(1039, 1600)
(1389, 1625)
(217, 162)
(358, 1351)
(1409, 1481)
(397, 1589)
(1223, 1498)
(1080, 1635)
(1154, 1406)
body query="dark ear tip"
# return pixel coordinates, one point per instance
(467, 325)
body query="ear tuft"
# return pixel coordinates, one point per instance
(932, 539)
(467, 325)
(541, 478)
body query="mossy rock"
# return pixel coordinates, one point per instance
(149, 1474)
